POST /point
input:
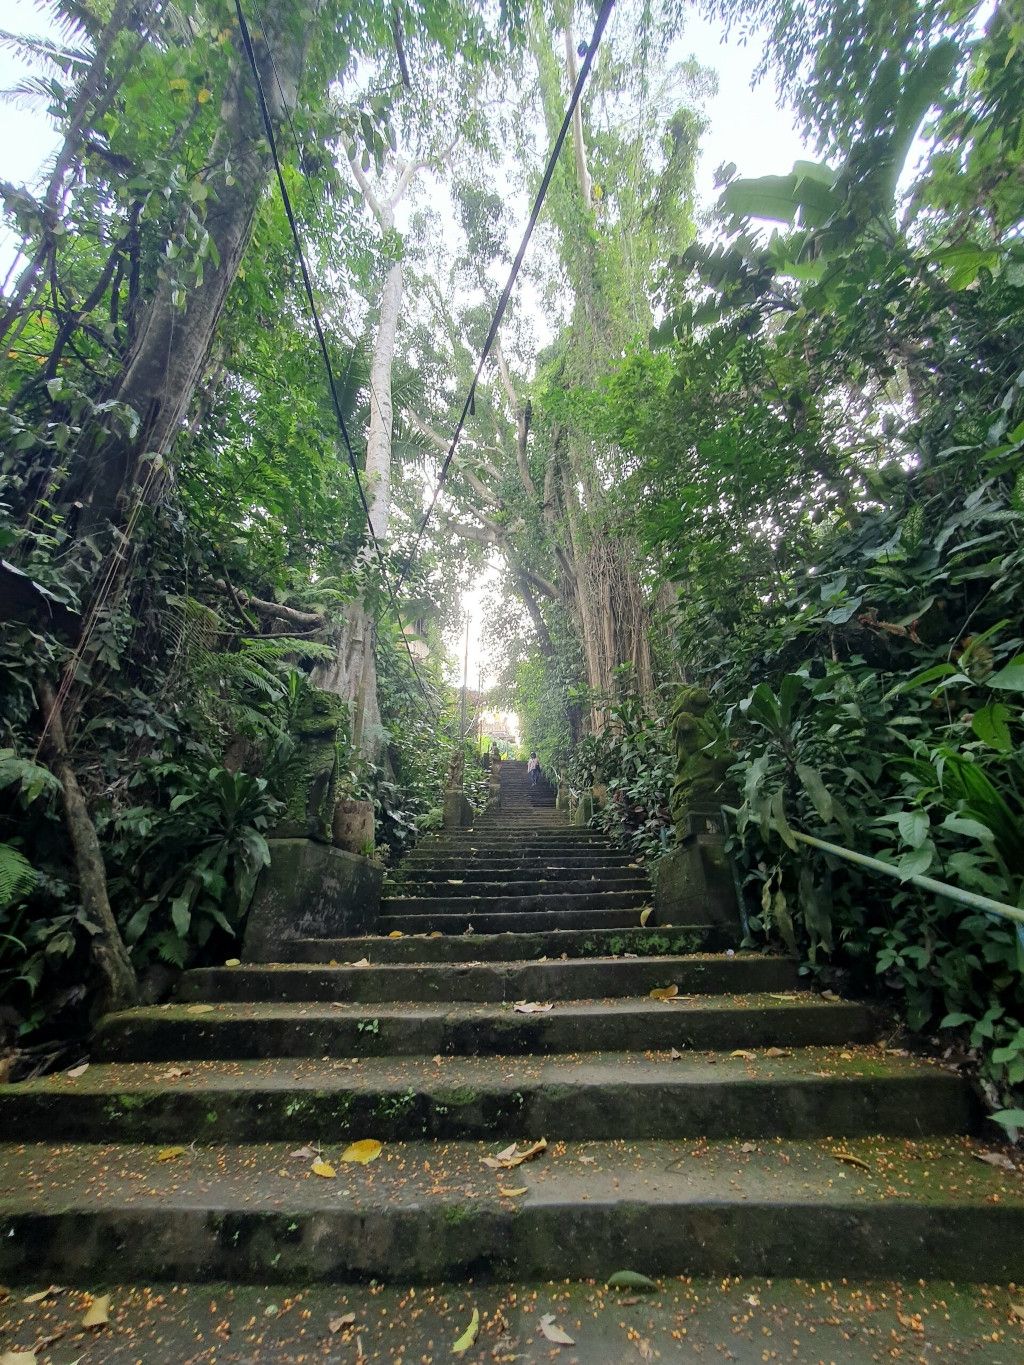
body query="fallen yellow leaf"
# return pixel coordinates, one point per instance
(323, 1168)
(170, 1153)
(911, 1321)
(645, 914)
(200, 1009)
(747, 1056)
(554, 1333)
(530, 1007)
(233, 962)
(364, 1151)
(511, 1157)
(203, 96)
(98, 1312)
(512, 1194)
(395, 933)
(664, 992)
(469, 1335)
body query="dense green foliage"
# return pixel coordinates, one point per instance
(827, 442)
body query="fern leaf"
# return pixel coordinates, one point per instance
(17, 875)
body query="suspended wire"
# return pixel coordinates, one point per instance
(499, 313)
(318, 327)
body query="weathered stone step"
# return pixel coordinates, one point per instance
(815, 1092)
(526, 901)
(505, 872)
(464, 921)
(529, 836)
(502, 863)
(423, 1211)
(498, 981)
(282, 1029)
(508, 947)
(503, 889)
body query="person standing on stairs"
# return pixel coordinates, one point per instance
(533, 768)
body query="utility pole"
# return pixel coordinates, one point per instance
(465, 685)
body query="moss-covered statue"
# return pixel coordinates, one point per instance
(701, 766)
(311, 773)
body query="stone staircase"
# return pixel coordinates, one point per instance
(518, 793)
(741, 1125)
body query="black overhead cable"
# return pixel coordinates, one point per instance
(321, 338)
(499, 313)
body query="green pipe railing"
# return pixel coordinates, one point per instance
(955, 893)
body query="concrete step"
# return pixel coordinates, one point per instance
(469, 920)
(814, 1092)
(456, 865)
(500, 888)
(509, 947)
(494, 982)
(284, 1029)
(528, 901)
(429, 1212)
(423, 871)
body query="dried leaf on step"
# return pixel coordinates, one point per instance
(18, 1358)
(436, 934)
(554, 1333)
(199, 1009)
(512, 1194)
(675, 1054)
(632, 1279)
(1017, 1312)
(469, 1335)
(306, 1153)
(998, 1159)
(664, 992)
(511, 1157)
(588, 1160)
(173, 1073)
(911, 1321)
(850, 1160)
(748, 1147)
(363, 962)
(233, 962)
(323, 1168)
(395, 933)
(530, 1007)
(346, 1320)
(170, 1153)
(456, 881)
(98, 1312)
(41, 1294)
(645, 914)
(78, 1070)
(741, 1052)
(363, 1152)
(777, 1052)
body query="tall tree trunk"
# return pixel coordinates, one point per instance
(107, 946)
(378, 440)
(173, 342)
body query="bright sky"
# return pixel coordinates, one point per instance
(745, 126)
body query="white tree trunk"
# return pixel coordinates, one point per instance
(378, 441)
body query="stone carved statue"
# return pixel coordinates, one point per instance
(312, 769)
(700, 774)
(457, 771)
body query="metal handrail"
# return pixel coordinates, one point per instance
(956, 893)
